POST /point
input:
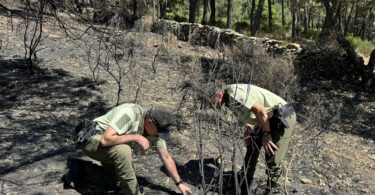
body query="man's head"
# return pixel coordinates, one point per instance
(159, 122)
(214, 93)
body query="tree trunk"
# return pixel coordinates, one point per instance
(346, 27)
(154, 10)
(213, 12)
(309, 20)
(363, 28)
(356, 23)
(318, 22)
(192, 8)
(163, 8)
(229, 13)
(369, 80)
(305, 19)
(339, 20)
(252, 13)
(330, 21)
(371, 20)
(270, 15)
(294, 10)
(205, 10)
(282, 13)
(257, 18)
(371, 63)
(364, 23)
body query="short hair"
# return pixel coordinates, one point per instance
(212, 88)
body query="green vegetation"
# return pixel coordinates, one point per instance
(310, 16)
(179, 12)
(312, 34)
(362, 46)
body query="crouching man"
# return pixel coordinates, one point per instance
(113, 135)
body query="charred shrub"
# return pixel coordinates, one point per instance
(251, 63)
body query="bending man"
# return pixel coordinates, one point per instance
(253, 106)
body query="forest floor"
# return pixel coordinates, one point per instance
(38, 110)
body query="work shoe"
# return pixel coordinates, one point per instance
(74, 177)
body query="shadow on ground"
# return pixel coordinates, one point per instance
(87, 177)
(36, 117)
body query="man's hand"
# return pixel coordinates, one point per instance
(143, 142)
(268, 145)
(249, 130)
(185, 189)
(170, 165)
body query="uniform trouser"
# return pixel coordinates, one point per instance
(281, 137)
(117, 163)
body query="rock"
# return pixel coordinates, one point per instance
(365, 190)
(197, 34)
(372, 156)
(293, 46)
(305, 180)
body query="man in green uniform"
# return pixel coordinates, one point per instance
(117, 130)
(253, 107)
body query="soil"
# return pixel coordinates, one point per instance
(39, 111)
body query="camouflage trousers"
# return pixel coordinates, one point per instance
(281, 137)
(117, 163)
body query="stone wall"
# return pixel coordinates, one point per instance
(212, 36)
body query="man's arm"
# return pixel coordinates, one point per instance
(262, 117)
(172, 171)
(111, 137)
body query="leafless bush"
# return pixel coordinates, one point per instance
(251, 64)
(241, 63)
(111, 55)
(33, 22)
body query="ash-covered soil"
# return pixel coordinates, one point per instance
(38, 112)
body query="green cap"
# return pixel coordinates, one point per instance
(163, 119)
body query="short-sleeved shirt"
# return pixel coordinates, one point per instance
(242, 97)
(127, 119)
